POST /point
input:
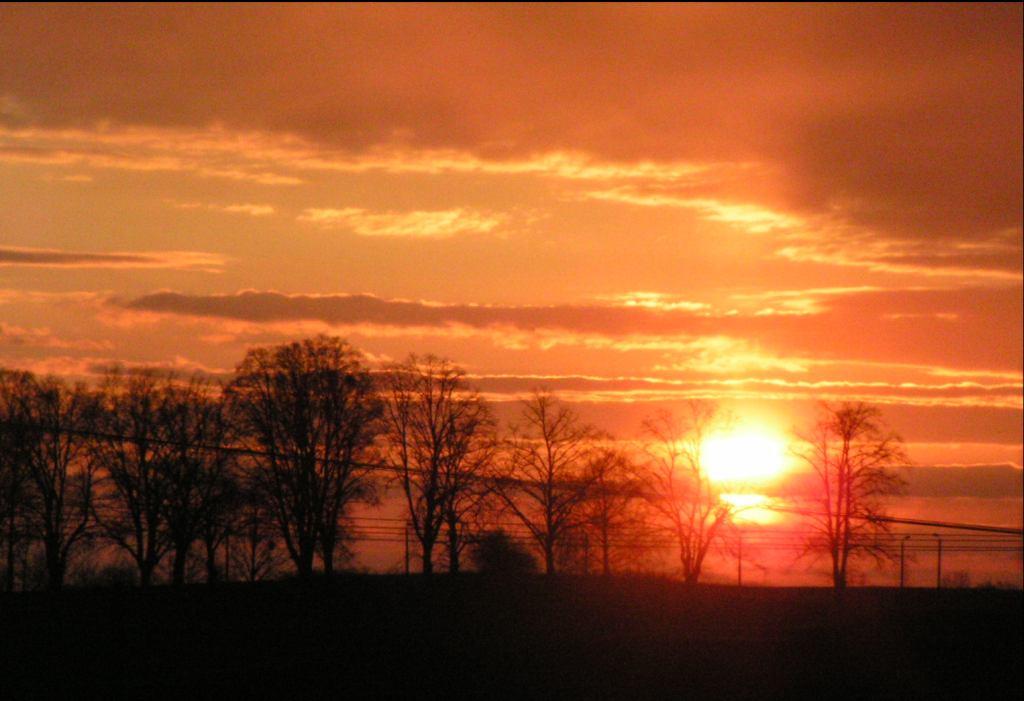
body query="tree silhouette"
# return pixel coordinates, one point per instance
(438, 436)
(14, 474)
(61, 468)
(254, 552)
(132, 453)
(545, 478)
(497, 553)
(310, 410)
(852, 453)
(199, 481)
(610, 510)
(677, 485)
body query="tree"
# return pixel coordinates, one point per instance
(254, 551)
(309, 412)
(852, 454)
(61, 468)
(545, 479)
(132, 453)
(609, 511)
(14, 473)
(497, 553)
(199, 485)
(677, 485)
(220, 520)
(437, 433)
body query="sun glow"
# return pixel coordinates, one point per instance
(744, 457)
(752, 508)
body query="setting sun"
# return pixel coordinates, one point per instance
(747, 456)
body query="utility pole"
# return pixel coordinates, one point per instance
(903, 544)
(406, 548)
(938, 564)
(739, 563)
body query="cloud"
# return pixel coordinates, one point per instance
(52, 258)
(21, 337)
(997, 258)
(415, 224)
(834, 238)
(209, 153)
(901, 121)
(661, 388)
(253, 210)
(92, 367)
(746, 216)
(929, 326)
(982, 481)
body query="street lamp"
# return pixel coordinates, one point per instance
(903, 544)
(938, 564)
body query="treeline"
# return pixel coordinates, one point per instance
(260, 474)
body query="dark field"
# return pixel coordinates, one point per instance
(374, 635)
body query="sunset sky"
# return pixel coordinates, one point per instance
(630, 205)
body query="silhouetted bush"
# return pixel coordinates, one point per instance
(114, 574)
(497, 553)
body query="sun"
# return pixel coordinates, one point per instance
(747, 456)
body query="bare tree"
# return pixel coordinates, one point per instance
(310, 410)
(467, 495)
(132, 454)
(254, 551)
(851, 452)
(61, 467)
(610, 512)
(437, 432)
(14, 471)
(197, 474)
(677, 485)
(545, 478)
(221, 518)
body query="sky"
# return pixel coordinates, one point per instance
(630, 205)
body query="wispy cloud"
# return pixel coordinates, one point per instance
(857, 325)
(415, 224)
(748, 216)
(55, 258)
(12, 336)
(253, 210)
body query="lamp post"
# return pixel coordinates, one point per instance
(903, 544)
(938, 564)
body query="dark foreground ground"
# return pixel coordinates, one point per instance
(476, 637)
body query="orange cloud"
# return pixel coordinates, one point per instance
(51, 258)
(415, 224)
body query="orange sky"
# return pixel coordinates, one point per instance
(629, 204)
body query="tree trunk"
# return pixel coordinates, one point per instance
(428, 561)
(327, 555)
(211, 564)
(145, 574)
(549, 558)
(178, 569)
(304, 564)
(606, 560)
(9, 575)
(54, 567)
(839, 580)
(453, 550)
